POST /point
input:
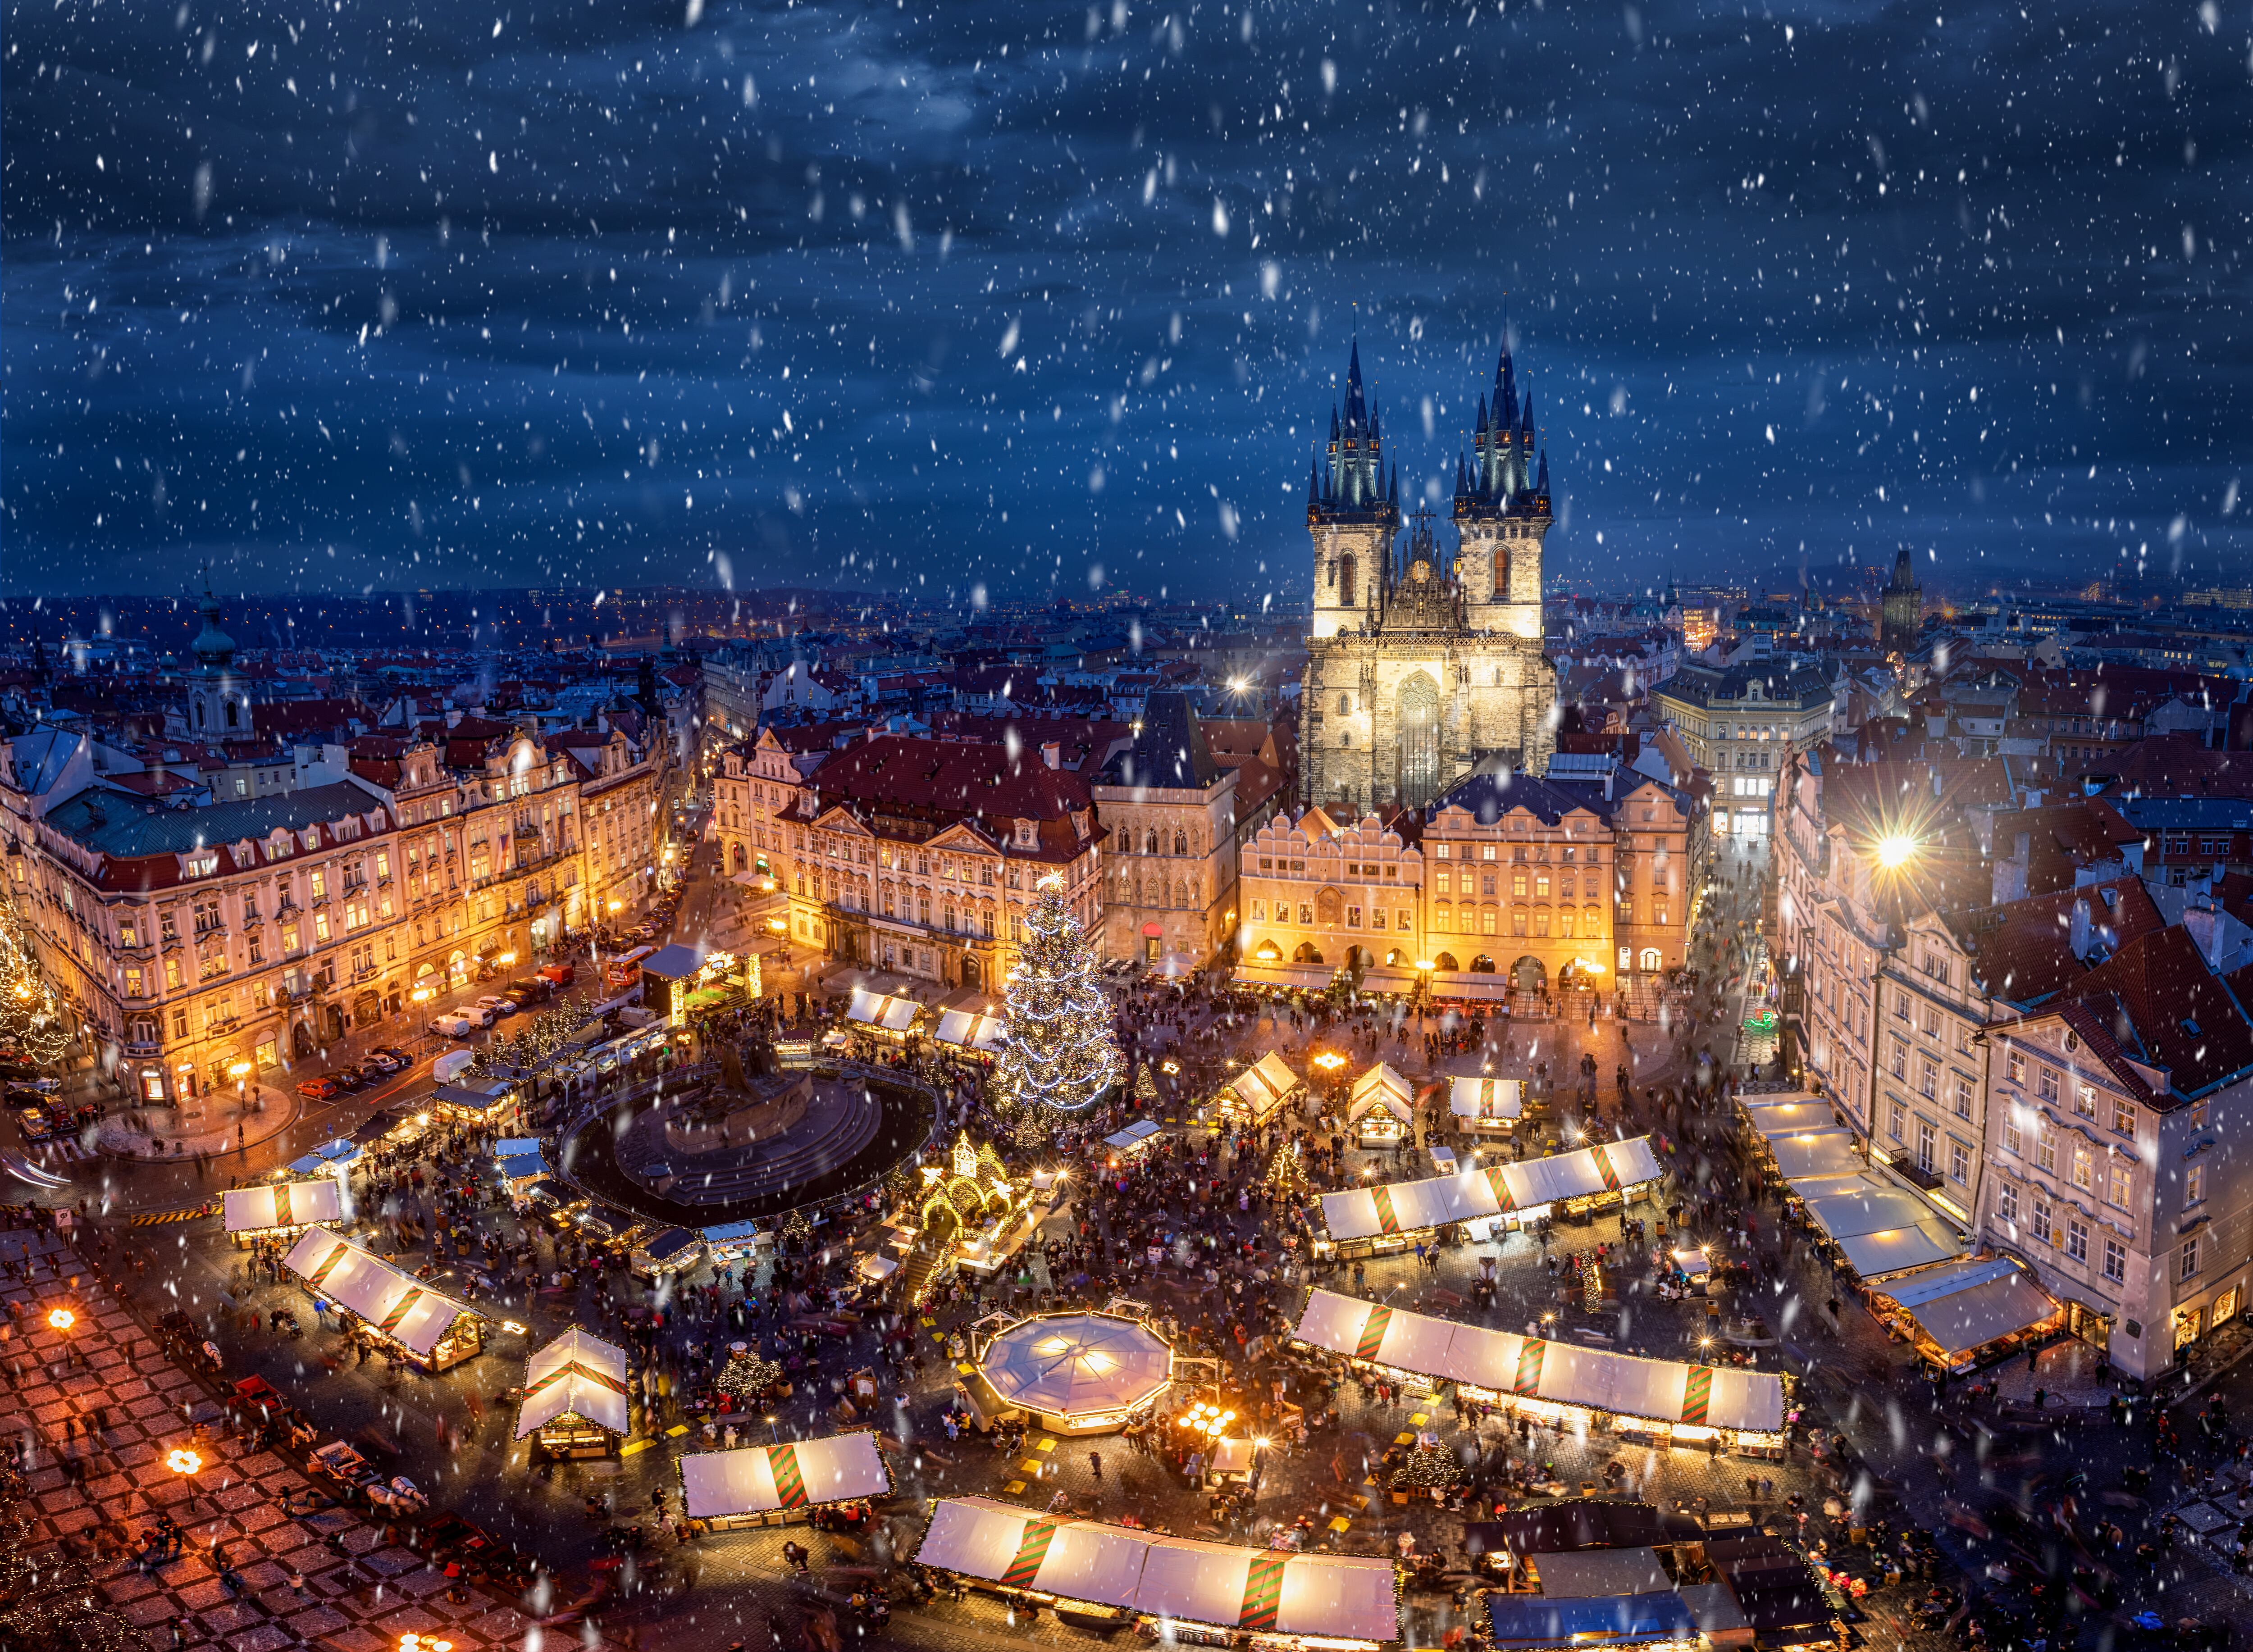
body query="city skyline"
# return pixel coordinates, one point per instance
(931, 305)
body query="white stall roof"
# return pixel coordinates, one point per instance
(1880, 1224)
(574, 1376)
(1264, 1086)
(1825, 1152)
(1403, 1207)
(796, 1475)
(1665, 1391)
(1780, 1115)
(1972, 1304)
(1335, 1597)
(878, 1010)
(1487, 1098)
(1382, 1087)
(1136, 1135)
(284, 1204)
(1891, 1250)
(967, 1029)
(1311, 977)
(395, 1302)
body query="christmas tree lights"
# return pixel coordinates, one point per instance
(1059, 1054)
(31, 1018)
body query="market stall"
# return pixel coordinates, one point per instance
(773, 1485)
(882, 1016)
(1077, 1373)
(576, 1399)
(330, 1158)
(1962, 1315)
(732, 1241)
(1877, 1226)
(281, 1209)
(1486, 1106)
(1381, 1107)
(1289, 978)
(1606, 1174)
(482, 1101)
(1260, 1092)
(1133, 1139)
(1814, 1152)
(521, 1172)
(965, 1032)
(1551, 1381)
(1091, 1571)
(426, 1327)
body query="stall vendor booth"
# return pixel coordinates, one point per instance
(1775, 1115)
(521, 1172)
(1136, 1138)
(427, 1329)
(1828, 1152)
(1077, 1373)
(1486, 1106)
(774, 1485)
(577, 1398)
(1381, 1108)
(281, 1209)
(1554, 1383)
(1962, 1315)
(482, 1101)
(1877, 1226)
(1099, 1575)
(882, 1016)
(965, 1032)
(331, 1159)
(732, 1241)
(1258, 1092)
(1390, 1216)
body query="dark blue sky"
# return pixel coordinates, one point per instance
(344, 294)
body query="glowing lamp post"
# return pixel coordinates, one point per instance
(412, 1643)
(62, 1318)
(1896, 851)
(183, 1461)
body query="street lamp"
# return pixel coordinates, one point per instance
(62, 1318)
(1895, 850)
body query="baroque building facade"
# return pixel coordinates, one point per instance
(1421, 664)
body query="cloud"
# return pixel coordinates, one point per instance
(367, 294)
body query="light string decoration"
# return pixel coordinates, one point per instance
(1060, 1054)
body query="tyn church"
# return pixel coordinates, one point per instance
(1422, 664)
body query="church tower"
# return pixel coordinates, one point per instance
(1353, 511)
(1902, 611)
(219, 707)
(1502, 512)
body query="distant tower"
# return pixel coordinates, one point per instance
(219, 707)
(1502, 512)
(1901, 615)
(1352, 514)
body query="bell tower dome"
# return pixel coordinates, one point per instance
(219, 707)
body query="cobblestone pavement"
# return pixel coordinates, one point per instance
(95, 1411)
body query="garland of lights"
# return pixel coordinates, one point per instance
(31, 1017)
(1060, 1054)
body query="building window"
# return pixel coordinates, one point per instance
(2077, 1240)
(2194, 1185)
(2018, 1068)
(2115, 1260)
(2014, 1139)
(1897, 1124)
(2006, 1202)
(2189, 1260)
(2118, 1185)
(1927, 1143)
(2084, 1101)
(1928, 1082)
(1963, 1096)
(2045, 1148)
(1901, 1059)
(2046, 1084)
(2041, 1225)
(1959, 1162)
(2124, 1117)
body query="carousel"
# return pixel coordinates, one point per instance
(1077, 1373)
(576, 1398)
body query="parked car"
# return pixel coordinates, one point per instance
(455, 1024)
(386, 1061)
(320, 1088)
(18, 1096)
(558, 974)
(445, 1068)
(496, 1006)
(530, 991)
(36, 1124)
(46, 1086)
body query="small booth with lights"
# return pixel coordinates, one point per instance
(481, 1102)
(882, 1016)
(1258, 1092)
(281, 1209)
(1099, 1576)
(334, 1158)
(1960, 1316)
(1133, 1140)
(965, 1033)
(1556, 1383)
(1380, 1110)
(775, 1485)
(1370, 1221)
(577, 1402)
(1076, 1373)
(1486, 1107)
(425, 1327)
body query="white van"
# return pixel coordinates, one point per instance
(453, 1024)
(446, 1069)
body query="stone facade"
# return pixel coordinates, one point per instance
(1418, 667)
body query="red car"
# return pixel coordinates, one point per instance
(320, 1088)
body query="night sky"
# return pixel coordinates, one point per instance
(997, 299)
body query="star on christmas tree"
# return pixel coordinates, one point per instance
(1059, 1055)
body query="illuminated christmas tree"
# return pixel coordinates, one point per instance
(1059, 1057)
(31, 1018)
(1429, 1467)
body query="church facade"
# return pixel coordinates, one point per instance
(1422, 662)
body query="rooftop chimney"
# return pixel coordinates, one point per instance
(1052, 754)
(2078, 933)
